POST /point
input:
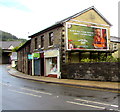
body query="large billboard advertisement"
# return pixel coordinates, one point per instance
(85, 37)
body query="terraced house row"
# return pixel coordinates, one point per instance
(58, 51)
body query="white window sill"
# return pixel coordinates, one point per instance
(53, 73)
(50, 46)
(42, 48)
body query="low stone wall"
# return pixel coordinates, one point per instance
(101, 71)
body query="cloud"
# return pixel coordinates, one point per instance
(14, 4)
(22, 16)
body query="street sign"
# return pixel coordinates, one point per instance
(30, 56)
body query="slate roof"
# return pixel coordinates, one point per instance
(59, 23)
(27, 42)
(7, 44)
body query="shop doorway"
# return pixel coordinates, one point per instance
(42, 64)
(37, 67)
(29, 67)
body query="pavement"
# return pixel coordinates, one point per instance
(70, 82)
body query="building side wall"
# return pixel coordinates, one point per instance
(70, 65)
(19, 62)
(22, 64)
(56, 41)
(32, 45)
(90, 17)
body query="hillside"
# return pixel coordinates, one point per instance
(5, 36)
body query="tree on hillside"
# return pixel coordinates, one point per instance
(4, 36)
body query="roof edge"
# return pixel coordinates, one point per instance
(85, 10)
(23, 45)
(47, 29)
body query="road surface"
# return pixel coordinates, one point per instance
(22, 94)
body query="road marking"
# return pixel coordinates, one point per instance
(5, 84)
(115, 110)
(25, 93)
(97, 102)
(115, 106)
(26, 89)
(85, 105)
(36, 91)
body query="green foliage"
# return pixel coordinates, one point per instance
(4, 36)
(17, 47)
(118, 59)
(111, 59)
(86, 60)
(102, 59)
(22, 40)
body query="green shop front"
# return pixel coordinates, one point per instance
(37, 66)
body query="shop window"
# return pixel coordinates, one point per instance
(42, 41)
(52, 65)
(51, 39)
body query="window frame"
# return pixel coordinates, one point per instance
(36, 42)
(42, 41)
(51, 37)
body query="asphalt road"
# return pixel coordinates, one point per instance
(22, 94)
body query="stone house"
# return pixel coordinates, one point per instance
(7, 47)
(24, 65)
(53, 49)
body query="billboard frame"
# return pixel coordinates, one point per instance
(66, 28)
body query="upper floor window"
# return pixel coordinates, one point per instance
(35, 43)
(51, 39)
(42, 41)
(29, 48)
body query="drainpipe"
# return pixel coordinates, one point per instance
(32, 66)
(58, 64)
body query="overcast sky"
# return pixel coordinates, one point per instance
(26, 17)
